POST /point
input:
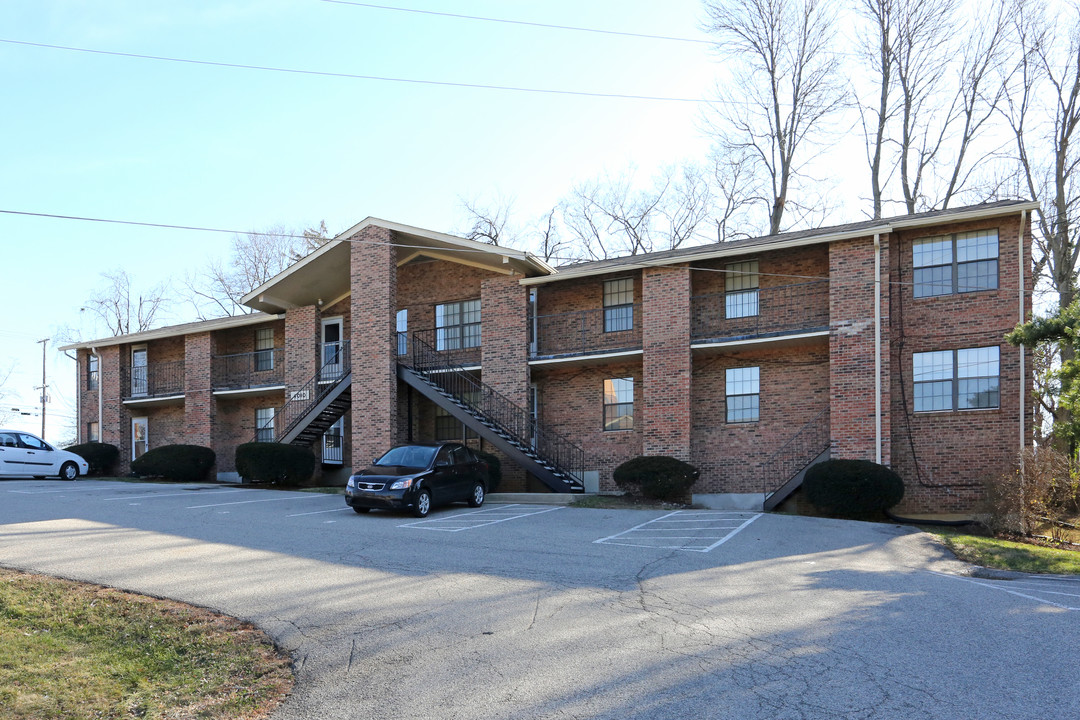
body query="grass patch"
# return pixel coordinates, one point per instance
(1002, 554)
(72, 650)
(625, 502)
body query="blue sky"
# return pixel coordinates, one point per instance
(123, 138)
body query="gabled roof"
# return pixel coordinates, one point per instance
(324, 275)
(256, 318)
(786, 240)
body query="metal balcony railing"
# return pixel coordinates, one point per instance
(586, 332)
(262, 368)
(763, 312)
(152, 380)
(457, 350)
(336, 365)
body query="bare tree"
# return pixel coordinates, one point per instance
(5, 376)
(878, 50)
(216, 290)
(123, 309)
(489, 223)
(785, 87)
(731, 193)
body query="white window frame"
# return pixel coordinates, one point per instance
(741, 289)
(140, 374)
(458, 335)
(265, 419)
(939, 271)
(264, 356)
(951, 370)
(618, 395)
(742, 394)
(618, 313)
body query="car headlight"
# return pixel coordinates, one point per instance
(402, 484)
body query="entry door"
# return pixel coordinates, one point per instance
(140, 437)
(331, 349)
(138, 371)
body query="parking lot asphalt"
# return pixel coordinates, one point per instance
(522, 611)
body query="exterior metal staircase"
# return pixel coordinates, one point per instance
(806, 448)
(317, 404)
(550, 457)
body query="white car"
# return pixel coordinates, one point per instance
(24, 454)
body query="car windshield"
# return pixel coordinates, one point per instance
(408, 456)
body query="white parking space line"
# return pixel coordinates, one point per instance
(249, 502)
(690, 530)
(1014, 588)
(321, 512)
(478, 518)
(183, 494)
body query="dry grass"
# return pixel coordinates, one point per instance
(71, 650)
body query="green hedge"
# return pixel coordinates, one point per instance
(494, 469)
(275, 463)
(852, 488)
(657, 477)
(102, 457)
(182, 463)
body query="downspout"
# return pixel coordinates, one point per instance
(1023, 358)
(78, 399)
(877, 347)
(100, 388)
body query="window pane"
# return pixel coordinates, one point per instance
(933, 281)
(980, 275)
(619, 292)
(742, 408)
(741, 276)
(619, 404)
(932, 251)
(979, 393)
(617, 319)
(933, 396)
(264, 339)
(741, 304)
(470, 311)
(742, 381)
(932, 366)
(977, 362)
(980, 245)
(742, 386)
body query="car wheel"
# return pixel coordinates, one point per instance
(423, 504)
(69, 471)
(476, 499)
(360, 510)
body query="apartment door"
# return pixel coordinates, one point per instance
(140, 437)
(138, 371)
(332, 349)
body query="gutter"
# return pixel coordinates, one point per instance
(877, 346)
(1022, 349)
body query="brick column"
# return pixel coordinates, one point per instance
(199, 406)
(852, 350)
(115, 420)
(666, 364)
(302, 336)
(373, 344)
(504, 305)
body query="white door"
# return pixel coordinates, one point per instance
(138, 371)
(10, 456)
(140, 437)
(38, 457)
(332, 349)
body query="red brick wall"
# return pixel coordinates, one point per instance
(374, 346)
(571, 404)
(777, 268)
(236, 424)
(794, 388)
(666, 362)
(303, 328)
(945, 457)
(423, 285)
(199, 402)
(582, 294)
(234, 341)
(504, 331)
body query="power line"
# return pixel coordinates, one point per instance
(550, 26)
(352, 76)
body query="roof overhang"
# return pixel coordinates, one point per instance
(324, 276)
(202, 326)
(770, 243)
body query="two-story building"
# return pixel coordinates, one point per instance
(750, 359)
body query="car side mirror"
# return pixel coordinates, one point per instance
(442, 463)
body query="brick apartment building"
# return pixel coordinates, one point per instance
(750, 359)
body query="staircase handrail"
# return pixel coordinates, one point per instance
(302, 400)
(501, 411)
(797, 452)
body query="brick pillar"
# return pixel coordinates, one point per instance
(504, 331)
(373, 344)
(666, 363)
(852, 350)
(302, 336)
(199, 406)
(115, 420)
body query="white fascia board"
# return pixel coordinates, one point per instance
(256, 318)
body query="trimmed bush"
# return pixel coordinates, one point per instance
(182, 463)
(494, 469)
(657, 477)
(852, 488)
(101, 456)
(275, 463)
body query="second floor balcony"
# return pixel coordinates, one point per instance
(152, 380)
(760, 312)
(586, 332)
(242, 371)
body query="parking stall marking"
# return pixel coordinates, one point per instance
(161, 495)
(470, 520)
(310, 496)
(690, 530)
(1033, 589)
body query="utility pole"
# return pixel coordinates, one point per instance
(44, 387)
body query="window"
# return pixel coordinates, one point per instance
(447, 427)
(264, 349)
(960, 263)
(965, 379)
(264, 424)
(619, 404)
(92, 432)
(741, 289)
(457, 325)
(92, 376)
(619, 305)
(743, 394)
